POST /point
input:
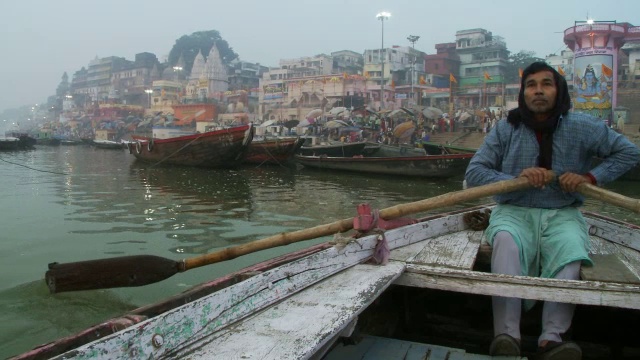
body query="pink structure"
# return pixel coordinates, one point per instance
(595, 45)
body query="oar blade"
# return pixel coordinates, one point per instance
(123, 271)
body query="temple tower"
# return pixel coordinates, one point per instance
(595, 45)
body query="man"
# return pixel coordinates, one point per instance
(540, 231)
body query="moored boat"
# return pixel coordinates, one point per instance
(275, 151)
(213, 149)
(309, 148)
(26, 141)
(429, 166)
(438, 149)
(108, 144)
(386, 150)
(9, 143)
(430, 298)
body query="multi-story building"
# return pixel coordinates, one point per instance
(563, 63)
(347, 62)
(483, 63)
(130, 82)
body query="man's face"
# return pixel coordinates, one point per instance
(540, 94)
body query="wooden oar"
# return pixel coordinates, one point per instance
(610, 197)
(138, 270)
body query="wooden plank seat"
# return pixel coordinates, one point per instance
(446, 263)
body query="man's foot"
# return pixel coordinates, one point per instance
(554, 350)
(504, 345)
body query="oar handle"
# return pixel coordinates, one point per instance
(347, 224)
(610, 197)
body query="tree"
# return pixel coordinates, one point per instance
(517, 61)
(189, 45)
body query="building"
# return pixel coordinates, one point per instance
(483, 63)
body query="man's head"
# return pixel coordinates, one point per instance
(543, 92)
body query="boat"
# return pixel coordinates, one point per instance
(313, 147)
(70, 142)
(386, 150)
(429, 297)
(26, 141)
(9, 143)
(437, 149)
(223, 148)
(272, 150)
(428, 166)
(108, 144)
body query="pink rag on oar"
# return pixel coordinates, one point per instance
(381, 253)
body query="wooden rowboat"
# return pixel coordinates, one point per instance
(273, 151)
(214, 149)
(428, 166)
(431, 300)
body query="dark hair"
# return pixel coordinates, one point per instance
(563, 100)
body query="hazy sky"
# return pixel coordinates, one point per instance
(41, 39)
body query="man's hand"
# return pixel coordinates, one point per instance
(569, 181)
(538, 177)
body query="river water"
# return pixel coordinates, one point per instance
(74, 203)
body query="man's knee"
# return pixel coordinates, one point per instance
(503, 242)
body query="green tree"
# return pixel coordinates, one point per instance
(517, 61)
(189, 45)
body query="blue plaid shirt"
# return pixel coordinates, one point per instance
(507, 151)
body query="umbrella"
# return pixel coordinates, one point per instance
(335, 124)
(431, 112)
(404, 130)
(314, 113)
(267, 123)
(395, 112)
(337, 110)
(464, 116)
(291, 123)
(307, 122)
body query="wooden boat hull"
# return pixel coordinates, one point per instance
(9, 144)
(108, 144)
(438, 149)
(436, 166)
(26, 141)
(385, 150)
(339, 149)
(272, 151)
(215, 149)
(436, 288)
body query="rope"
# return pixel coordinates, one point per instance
(44, 171)
(177, 151)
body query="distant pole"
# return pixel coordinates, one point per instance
(149, 92)
(412, 39)
(382, 16)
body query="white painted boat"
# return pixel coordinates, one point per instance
(430, 301)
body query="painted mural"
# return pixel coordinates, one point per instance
(593, 85)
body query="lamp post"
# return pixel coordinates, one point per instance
(412, 39)
(382, 16)
(149, 92)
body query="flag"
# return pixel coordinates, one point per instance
(393, 84)
(452, 79)
(487, 77)
(561, 71)
(520, 73)
(607, 71)
(423, 81)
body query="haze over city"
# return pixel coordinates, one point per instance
(41, 39)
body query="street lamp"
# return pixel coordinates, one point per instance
(412, 39)
(382, 16)
(149, 92)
